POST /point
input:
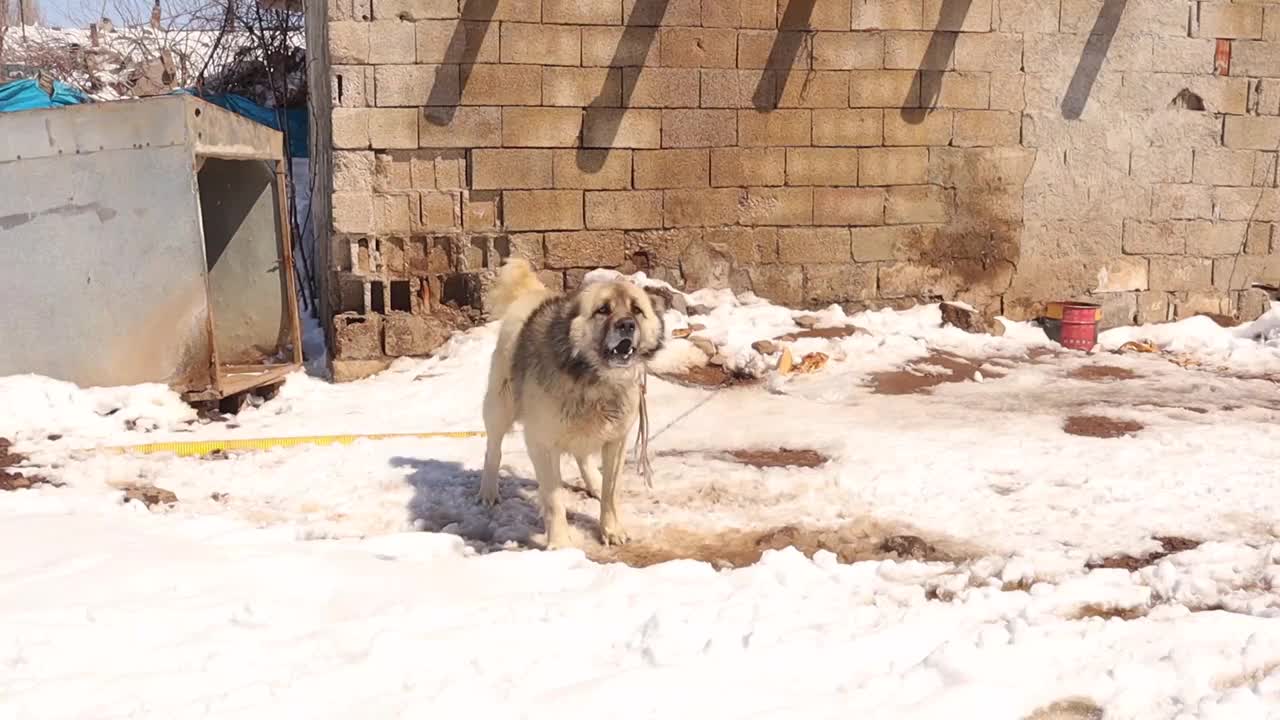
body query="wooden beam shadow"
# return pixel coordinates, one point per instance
(464, 46)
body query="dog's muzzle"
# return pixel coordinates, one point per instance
(620, 342)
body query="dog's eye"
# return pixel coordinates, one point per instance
(635, 309)
(602, 310)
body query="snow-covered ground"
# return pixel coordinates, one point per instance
(296, 582)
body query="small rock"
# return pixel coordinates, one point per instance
(681, 332)
(907, 547)
(697, 327)
(664, 299)
(806, 321)
(718, 360)
(765, 347)
(149, 495)
(998, 327)
(703, 344)
(965, 318)
(699, 310)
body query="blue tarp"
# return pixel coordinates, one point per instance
(294, 118)
(27, 95)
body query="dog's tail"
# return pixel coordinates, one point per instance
(516, 282)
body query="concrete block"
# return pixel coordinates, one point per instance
(501, 84)
(848, 206)
(1208, 239)
(348, 87)
(467, 127)
(828, 283)
(662, 169)
(1155, 238)
(1161, 165)
(949, 16)
(735, 88)
(755, 50)
(1181, 273)
(1123, 273)
(988, 52)
(532, 44)
(773, 129)
(588, 249)
(1028, 16)
(747, 246)
(609, 128)
(613, 47)
(813, 89)
(1215, 166)
(698, 128)
(393, 128)
(884, 244)
(1241, 272)
(1227, 20)
(1007, 91)
(660, 87)
(1183, 55)
(690, 47)
(848, 128)
(542, 210)
(912, 204)
(848, 51)
(352, 212)
(580, 87)
(700, 208)
(954, 89)
(392, 42)
(357, 337)
(419, 335)
(441, 210)
(741, 167)
(349, 42)
(494, 169)
(1251, 133)
(1259, 239)
(918, 127)
(605, 169)
(1153, 307)
(414, 9)
(887, 15)
(987, 128)
(777, 206)
(894, 166)
(883, 89)
(582, 12)
(910, 51)
(395, 213)
(673, 13)
(1190, 304)
(353, 170)
(1181, 202)
(783, 284)
(540, 126)
(452, 42)
(1255, 59)
(415, 86)
(822, 166)
(633, 210)
(350, 128)
(481, 210)
(814, 245)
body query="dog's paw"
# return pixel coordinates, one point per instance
(614, 535)
(488, 496)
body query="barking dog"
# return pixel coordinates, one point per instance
(568, 368)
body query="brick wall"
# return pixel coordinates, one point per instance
(863, 152)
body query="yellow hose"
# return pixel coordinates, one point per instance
(200, 448)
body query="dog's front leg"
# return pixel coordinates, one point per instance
(546, 465)
(611, 532)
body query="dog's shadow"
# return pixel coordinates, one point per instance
(445, 499)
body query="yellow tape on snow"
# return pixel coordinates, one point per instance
(205, 447)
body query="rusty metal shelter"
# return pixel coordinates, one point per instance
(146, 241)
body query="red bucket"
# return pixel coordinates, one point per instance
(1073, 324)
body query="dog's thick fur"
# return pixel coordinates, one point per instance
(559, 370)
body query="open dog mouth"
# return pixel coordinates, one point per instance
(620, 352)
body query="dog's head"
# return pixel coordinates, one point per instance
(615, 325)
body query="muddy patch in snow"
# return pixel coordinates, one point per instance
(10, 478)
(921, 376)
(854, 542)
(1100, 426)
(708, 376)
(1069, 709)
(781, 457)
(829, 333)
(1169, 545)
(1102, 373)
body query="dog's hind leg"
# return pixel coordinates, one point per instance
(499, 416)
(590, 474)
(546, 465)
(611, 532)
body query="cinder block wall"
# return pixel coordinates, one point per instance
(863, 152)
